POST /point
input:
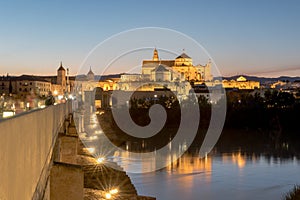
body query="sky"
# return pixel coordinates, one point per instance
(242, 37)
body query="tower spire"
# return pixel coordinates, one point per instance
(155, 55)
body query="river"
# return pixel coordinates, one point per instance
(238, 168)
(226, 176)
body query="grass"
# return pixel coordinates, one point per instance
(294, 194)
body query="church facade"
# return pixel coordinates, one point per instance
(179, 69)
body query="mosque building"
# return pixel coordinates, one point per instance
(181, 68)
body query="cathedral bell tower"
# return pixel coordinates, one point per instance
(155, 55)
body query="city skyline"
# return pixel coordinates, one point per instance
(253, 38)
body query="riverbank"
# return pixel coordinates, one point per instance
(102, 179)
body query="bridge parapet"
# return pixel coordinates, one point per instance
(26, 145)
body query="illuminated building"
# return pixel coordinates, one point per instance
(241, 83)
(182, 68)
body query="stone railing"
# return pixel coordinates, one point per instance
(26, 145)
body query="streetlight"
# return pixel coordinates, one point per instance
(108, 196)
(111, 193)
(100, 160)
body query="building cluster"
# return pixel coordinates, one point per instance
(20, 87)
(156, 75)
(178, 76)
(240, 83)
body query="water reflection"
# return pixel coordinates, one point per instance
(232, 175)
(243, 165)
(235, 158)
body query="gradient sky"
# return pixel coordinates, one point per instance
(243, 37)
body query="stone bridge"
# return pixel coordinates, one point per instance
(41, 157)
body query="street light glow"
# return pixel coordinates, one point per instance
(91, 149)
(100, 160)
(114, 191)
(108, 196)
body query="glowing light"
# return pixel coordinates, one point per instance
(8, 114)
(55, 92)
(114, 191)
(108, 196)
(100, 160)
(98, 132)
(91, 150)
(94, 137)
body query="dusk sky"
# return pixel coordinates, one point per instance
(243, 37)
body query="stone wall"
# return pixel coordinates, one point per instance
(26, 146)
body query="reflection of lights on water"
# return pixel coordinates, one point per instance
(236, 158)
(239, 160)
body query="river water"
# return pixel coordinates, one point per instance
(231, 175)
(243, 165)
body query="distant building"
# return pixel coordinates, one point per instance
(91, 75)
(161, 73)
(182, 68)
(24, 85)
(241, 83)
(6, 85)
(130, 77)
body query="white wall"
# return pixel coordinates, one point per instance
(25, 151)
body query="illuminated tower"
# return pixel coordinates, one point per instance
(155, 55)
(61, 77)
